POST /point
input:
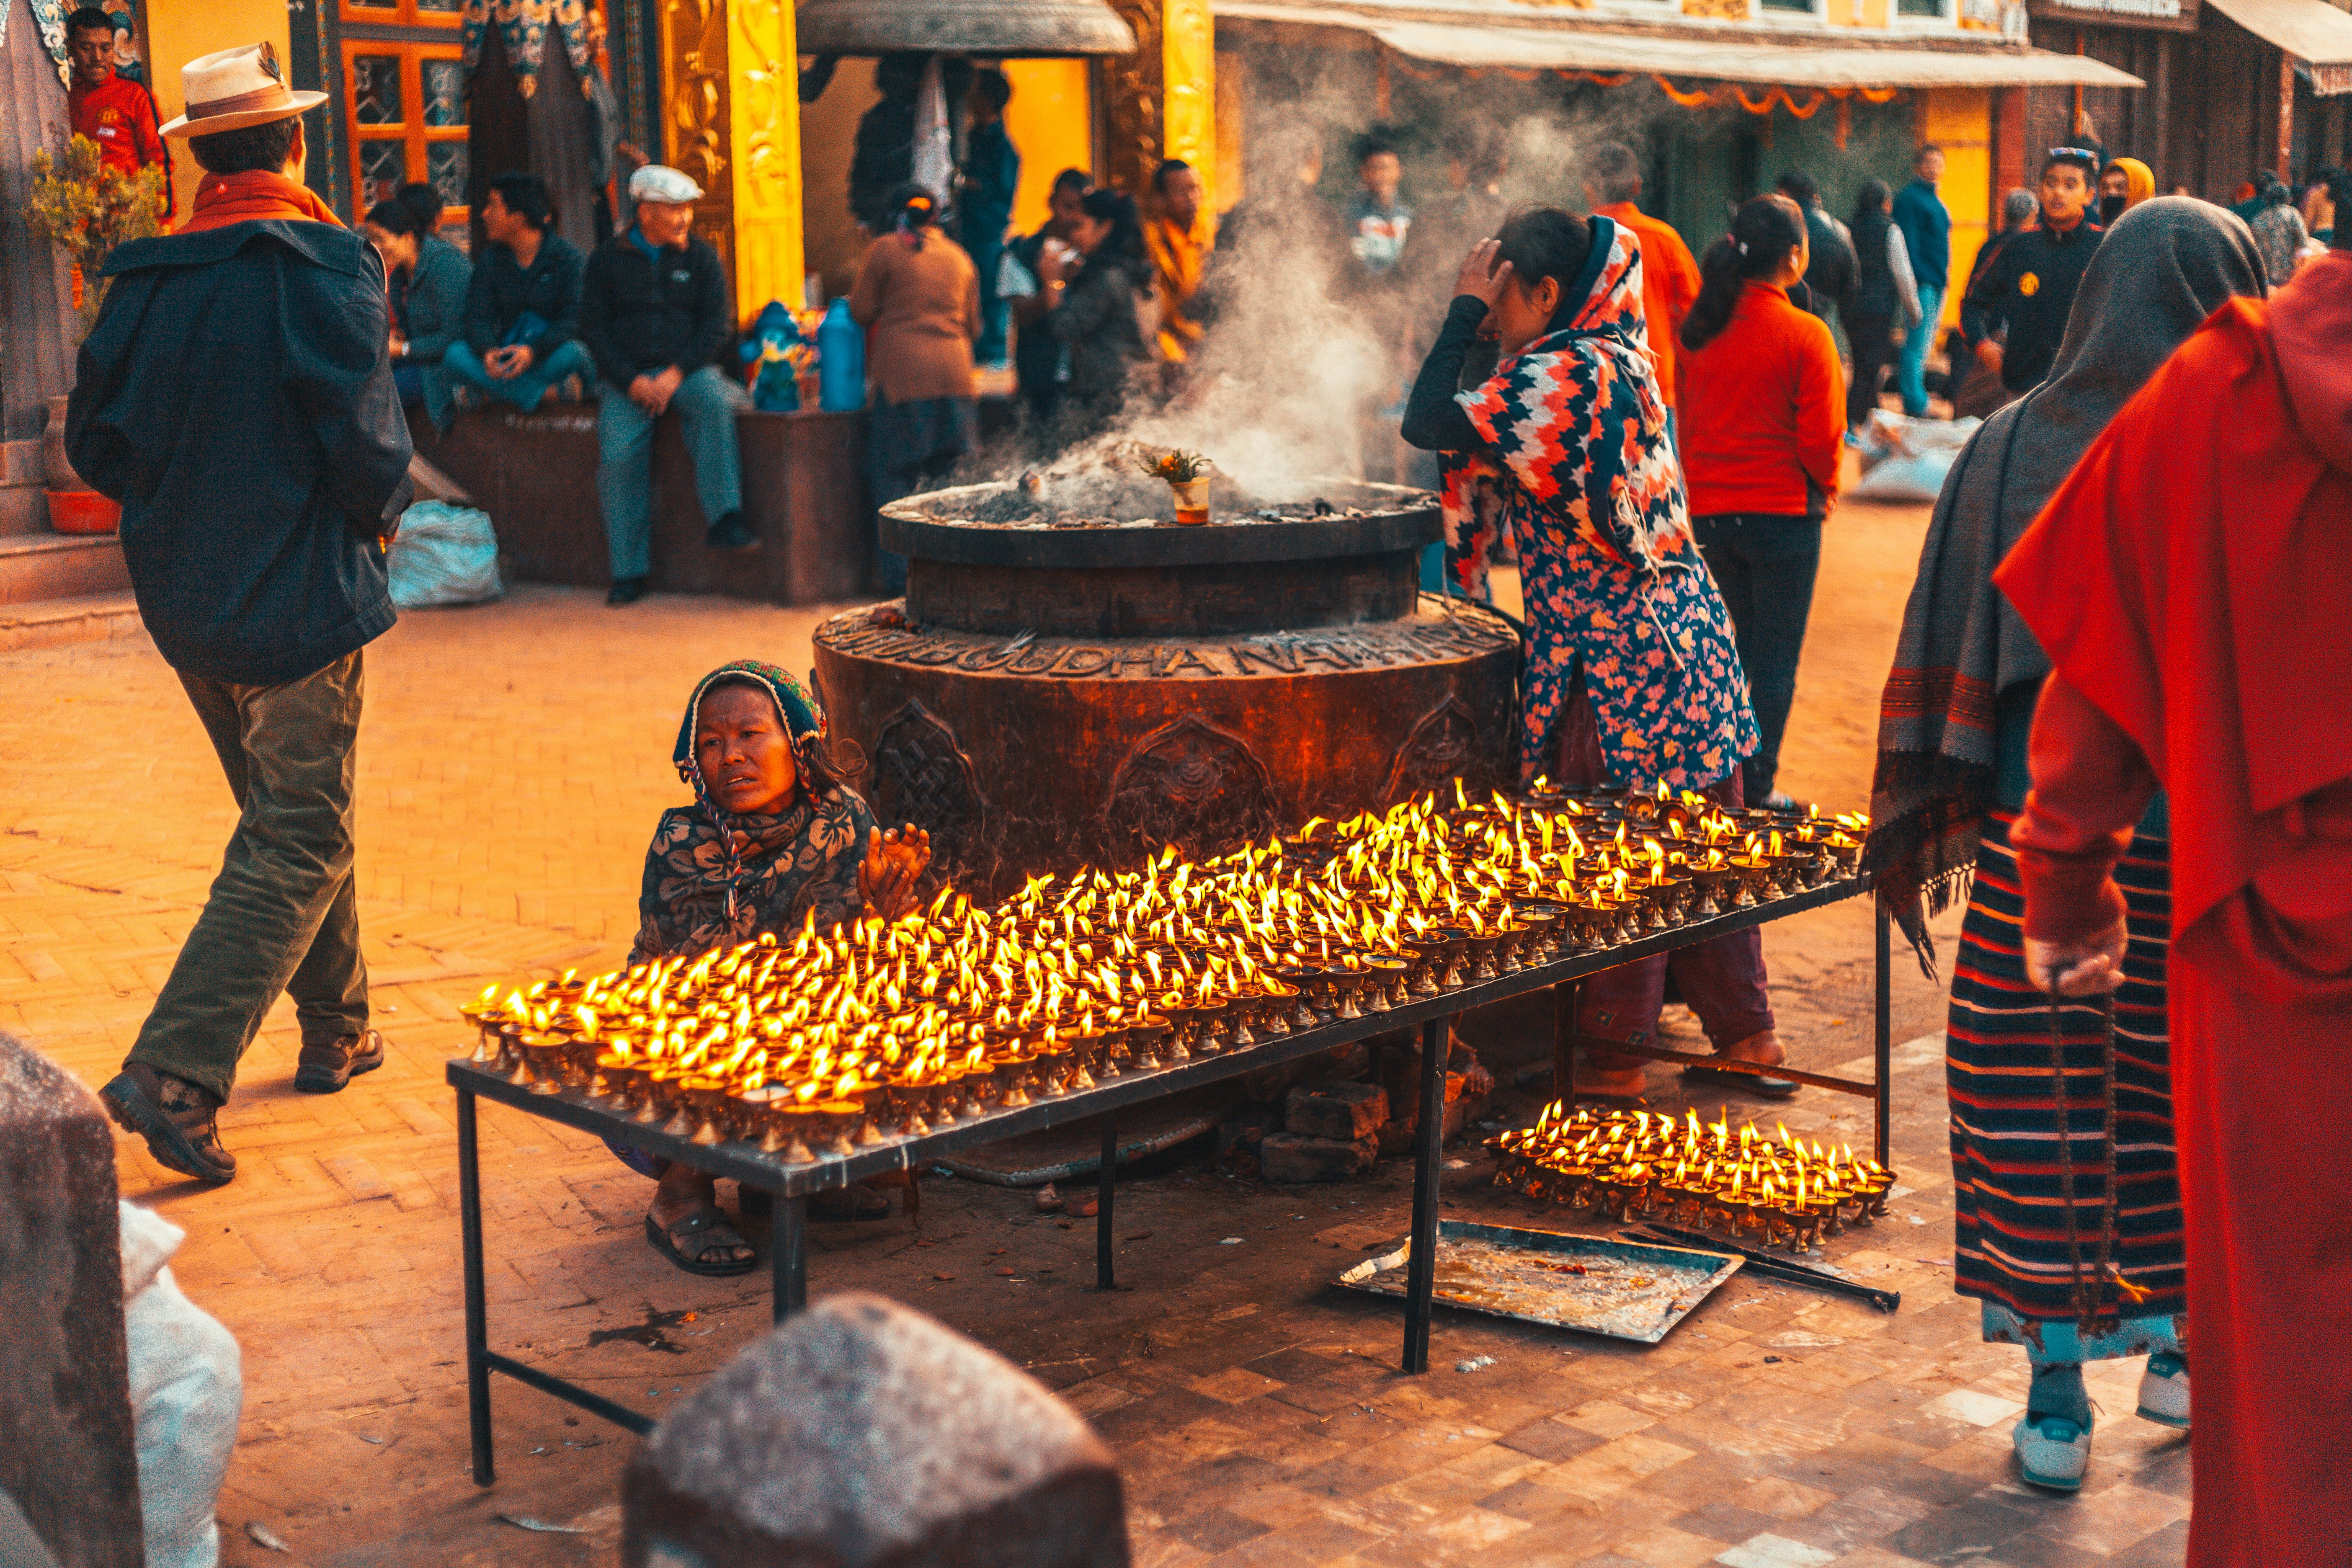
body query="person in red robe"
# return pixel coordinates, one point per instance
(2189, 582)
(110, 109)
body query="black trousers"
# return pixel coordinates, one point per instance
(1765, 566)
(1874, 349)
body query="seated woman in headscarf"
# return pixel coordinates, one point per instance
(775, 834)
(1630, 671)
(1951, 783)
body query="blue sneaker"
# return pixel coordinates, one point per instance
(2164, 1391)
(2052, 1451)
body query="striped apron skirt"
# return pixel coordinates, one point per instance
(2010, 1219)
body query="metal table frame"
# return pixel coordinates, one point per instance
(791, 1184)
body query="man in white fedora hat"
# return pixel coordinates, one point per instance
(236, 398)
(654, 311)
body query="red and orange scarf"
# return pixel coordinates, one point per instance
(225, 199)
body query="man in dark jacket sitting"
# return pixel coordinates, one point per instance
(236, 398)
(522, 309)
(654, 310)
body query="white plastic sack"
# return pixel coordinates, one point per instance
(187, 1386)
(443, 554)
(1905, 459)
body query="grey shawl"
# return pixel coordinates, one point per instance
(2164, 266)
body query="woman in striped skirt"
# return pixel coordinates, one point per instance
(2011, 1247)
(2106, 1280)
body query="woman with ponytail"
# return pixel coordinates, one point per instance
(1629, 672)
(917, 297)
(1763, 428)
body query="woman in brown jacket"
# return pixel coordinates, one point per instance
(917, 297)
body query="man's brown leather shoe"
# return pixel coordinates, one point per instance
(176, 1118)
(325, 1067)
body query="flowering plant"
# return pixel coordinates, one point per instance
(1178, 467)
(87, 208)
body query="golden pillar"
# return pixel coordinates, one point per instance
(1160, 101)
(730, 112)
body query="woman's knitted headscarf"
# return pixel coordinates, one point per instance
(804, 724)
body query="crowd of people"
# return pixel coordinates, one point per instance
(2084, 735)
(2117, 726)
(636, 327)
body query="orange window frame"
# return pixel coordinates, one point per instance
(412, 131)
(400, 14)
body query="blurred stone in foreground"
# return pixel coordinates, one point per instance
(66, 1452)
(863, 1435)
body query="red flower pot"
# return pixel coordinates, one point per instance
(82, 511)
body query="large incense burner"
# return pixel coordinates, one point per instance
(1073, 678)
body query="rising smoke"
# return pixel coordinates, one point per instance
(1285, 394)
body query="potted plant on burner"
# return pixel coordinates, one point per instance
(1187, 474)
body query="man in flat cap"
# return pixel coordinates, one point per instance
(654, 311)
(236, 398)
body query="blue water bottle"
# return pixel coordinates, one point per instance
(841, 360)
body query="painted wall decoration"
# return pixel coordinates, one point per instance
(523, 27)
(49, 16)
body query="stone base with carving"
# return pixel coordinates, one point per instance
(1022, 757)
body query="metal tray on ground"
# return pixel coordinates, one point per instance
(1622, 1289)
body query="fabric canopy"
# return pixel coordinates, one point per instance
(1815, 58)
(2311, 31)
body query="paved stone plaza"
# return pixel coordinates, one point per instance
(512, 762)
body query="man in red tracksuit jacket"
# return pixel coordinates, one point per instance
(112, 111)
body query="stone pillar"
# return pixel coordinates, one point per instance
(861, 1433)
(36, 315)
(67, 1455)
(1160, 101)
(730, 117)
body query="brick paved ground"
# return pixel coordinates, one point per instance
(512, 762)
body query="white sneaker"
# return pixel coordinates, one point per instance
(2053, 1452)
(2164, 1391)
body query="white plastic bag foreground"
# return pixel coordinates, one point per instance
(1905, 459)
(443, 554)
(186, 1386)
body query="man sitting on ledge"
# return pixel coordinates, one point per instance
(522, 309)
(654, 311)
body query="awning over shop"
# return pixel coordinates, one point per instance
(2311, 31)
(1806, 60)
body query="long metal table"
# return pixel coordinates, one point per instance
(790, 1184)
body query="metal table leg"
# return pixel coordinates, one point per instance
(1429, 1136)
(1105, 1184)
(1884, 1003)
(788, 1292)
(1565, 997)
(477, 1328)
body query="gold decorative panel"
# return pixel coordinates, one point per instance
(1131, 87)
(1188, 59)
(1160, 101)
(730, 116)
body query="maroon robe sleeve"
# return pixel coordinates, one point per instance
(2090, 783)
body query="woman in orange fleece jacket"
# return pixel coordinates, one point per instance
(1763, 412)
